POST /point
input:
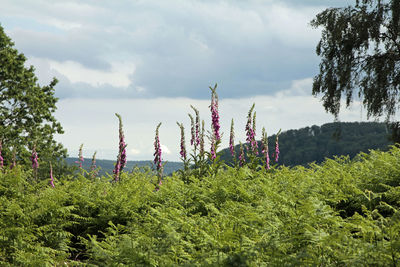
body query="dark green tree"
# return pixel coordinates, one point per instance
(26, 109)
(360, 53)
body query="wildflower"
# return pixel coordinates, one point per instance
(34, 158)
(1, 158)
(265, 148)
(250, 131)
(242, 159)
(93, 166)
(231, 140)
(202, 139)
(51, 176)
(192, 130)
(214, 114)
(157, 153)
(80, 157)
(277, 146)
(213, 148)
(197, 125)
(121, 158)
(183, 146)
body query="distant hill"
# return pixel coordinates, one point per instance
(315, 143)
(107, 166)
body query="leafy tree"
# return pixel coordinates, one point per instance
(26, 108)
(360, 51)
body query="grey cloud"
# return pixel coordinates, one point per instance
(179, 48)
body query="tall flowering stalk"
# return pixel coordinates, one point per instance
(1, 158)
(93, 165)
(121, 158)
(80, 157)
(214, 114)
(183, 145)
(34, 159)
(51, 176)
(276, 154)
(242, 159)
(157, 156)
(265, 148)
(250, 131)
(192, 131)
(196, 126)
(201, 152)
(232, 141)
(215, 126)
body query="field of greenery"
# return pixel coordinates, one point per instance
(340, 213)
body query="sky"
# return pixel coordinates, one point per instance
(149, 60)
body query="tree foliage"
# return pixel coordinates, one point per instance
(26, 108)
(360, 52)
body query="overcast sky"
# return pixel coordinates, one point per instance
(150, 59)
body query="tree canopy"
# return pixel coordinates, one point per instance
(26, 108)
(360, 52)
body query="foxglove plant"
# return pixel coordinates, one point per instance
(121, 158)
(202, 133)
(183, 145)
(277, 147)
(157, 155)
(197, 126)
(1, 158)
(80, 157)
(215, 115)
(242, 159)
(215, 138)
(265, 148)
(93, 165)
(232, 141)
(250, 131)
(192, 131)
(51, 176)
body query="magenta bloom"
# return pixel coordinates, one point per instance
(158, 152)
(242, 159)
(231, 140)
(34, 159)
(51, 176)
(1, 158)
(277, 146)
(183, 146)
(214, 114)
(250, 131)
(265, 148)
(121, 158)
(80, 157)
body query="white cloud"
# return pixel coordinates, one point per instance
(118, 76)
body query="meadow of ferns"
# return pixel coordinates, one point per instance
(340, 213)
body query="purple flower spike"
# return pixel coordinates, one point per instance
(231, 140)
(250, 131)
(192, 130)
(214, 114)
(183, 146)
(34, 158)
(242, 159)
(93, 166)
(157, 153)
(202, 139)
(80, 157)
(121, 159)
(265, 148)
(277, 146)
(196, 126)
(1, 158)
(51, 176)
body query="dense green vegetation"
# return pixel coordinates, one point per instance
(315, 143)
(107, 166)
(340, 213)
